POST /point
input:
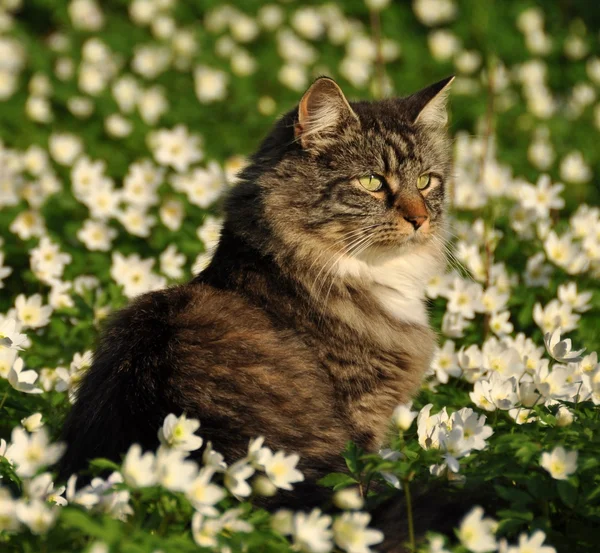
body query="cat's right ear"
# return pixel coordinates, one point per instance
(322, 111)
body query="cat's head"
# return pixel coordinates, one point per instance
(349, 178)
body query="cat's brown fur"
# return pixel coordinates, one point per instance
(286, 334)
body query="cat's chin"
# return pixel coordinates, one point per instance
(380, 253)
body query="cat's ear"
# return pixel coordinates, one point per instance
(429, 106)
(322, 110)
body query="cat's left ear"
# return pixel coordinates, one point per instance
(321, 112)
(429, 106)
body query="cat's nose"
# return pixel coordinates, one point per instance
(416, 220)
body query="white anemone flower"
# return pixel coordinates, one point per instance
(559, 463)
(281, 469)
(477, 533)
(561, 349)
(178, 433)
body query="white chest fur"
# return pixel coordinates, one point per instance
(398, 282)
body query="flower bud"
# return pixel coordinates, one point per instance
(348, 498)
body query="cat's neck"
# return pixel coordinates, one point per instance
(361, 293)
(397, 281)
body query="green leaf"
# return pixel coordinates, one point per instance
(513, 495)
(107, 530)
(100, 464)
(352, 454)
(336, 480)
(520, 515)
(567, 492)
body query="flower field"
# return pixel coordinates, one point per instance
(123, 123)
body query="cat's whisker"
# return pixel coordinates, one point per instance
(336, 260)
(357, 248)
(453, 261)
(341, 252)
(342, 239)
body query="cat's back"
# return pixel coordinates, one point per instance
(211, 354)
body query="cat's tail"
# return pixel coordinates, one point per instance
(123, 396)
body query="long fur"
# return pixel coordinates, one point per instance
(309, 325)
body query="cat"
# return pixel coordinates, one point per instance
(309, 326)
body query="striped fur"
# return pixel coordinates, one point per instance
(309, 326)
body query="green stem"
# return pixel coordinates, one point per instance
(411, 526)
(3, 400)
(379, 62)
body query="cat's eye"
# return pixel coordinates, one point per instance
(372, 183)
(423, 181)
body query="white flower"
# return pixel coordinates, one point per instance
(47, 261)
(293, 75)
(542, 197)
(126, 92)
(281, 469)
(477, 533)
(150, 60)
(32, 423)
(171, 214)
(30, 452)
(236, 476)
(348, 499)
(443, 44)
(210, 84)
(564, 417)
(352, 535)
(203, 494)
(10, 337)
(96, 235)
(311, 532)
(176, 148)
(37, 515)
(436, 545)
(555, 315)
(533, 544)
(136, 221)
(173, 472)
(178, 433)
(258, 453)
(567, 293)
(500, 324)
(8, 511)
(434, 12)
(559, 463)
(561, 349)
(134, 274)
(117, 126)
(308, 22)
(152, 105)
(522, 415)
(212, 458)
(30, 311)
(445, 362)
(205, 530)
(171, 262)
(139, 471)
(65, 148)
(86, 15)
(42, 487)
(475, 431)
(573, 168)
(465, 298)
(403, 417)
(23, 381)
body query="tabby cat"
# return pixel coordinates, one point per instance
(309, 325)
